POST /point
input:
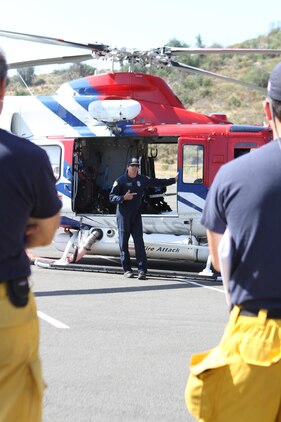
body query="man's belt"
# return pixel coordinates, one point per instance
(271, 313)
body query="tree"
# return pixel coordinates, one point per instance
(176, 43)
(199, 41)
(27, 74)
(81, 70)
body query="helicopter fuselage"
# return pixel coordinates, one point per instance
(88, 152)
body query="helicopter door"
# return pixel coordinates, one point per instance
(193, 174)
(56, 154)
(192, 162)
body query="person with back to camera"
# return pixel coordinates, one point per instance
(127, 192)
(29, 217)
(240, 379)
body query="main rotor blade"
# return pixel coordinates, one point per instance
(183, 50)
(52, 41)
(51, 60)
(203, 72)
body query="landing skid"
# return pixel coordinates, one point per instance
(110, 269)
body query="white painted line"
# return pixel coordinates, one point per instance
(51, 320)
(203, 285)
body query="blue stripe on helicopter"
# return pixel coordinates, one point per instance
(127, 129)
(84, 131)
(73, 121)
(63, 190)
(66, 221)
(65, 115)
(82, 87)
(67, 171)
(189, 204)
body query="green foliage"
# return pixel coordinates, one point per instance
(234, 101)
(20, 92)
(173, 42)
(39, 81)
(258, 76)
(199, 42)
(78, 70)
(27, 74)
(166, 154)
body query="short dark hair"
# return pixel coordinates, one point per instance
(276, 108)
(3, 66)
(274, 91)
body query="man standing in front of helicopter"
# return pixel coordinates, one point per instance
(239, 380)
(29, 217)
(127, 192)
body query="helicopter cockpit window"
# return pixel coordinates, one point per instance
(193, 159)
(54, 154)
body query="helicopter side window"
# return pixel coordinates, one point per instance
(238, 152)
(54, 154)
(193, 159)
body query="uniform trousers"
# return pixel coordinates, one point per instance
(240, 379)
(131, 225)
(21, 383)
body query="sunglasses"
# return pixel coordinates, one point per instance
(134, 165)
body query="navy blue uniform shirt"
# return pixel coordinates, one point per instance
(134, 185)
(246, 197)
(27, 189)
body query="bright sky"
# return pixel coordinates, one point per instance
(133, 24)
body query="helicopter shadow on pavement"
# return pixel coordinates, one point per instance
(112, 290)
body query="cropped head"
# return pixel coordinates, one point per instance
(3, 76)
(274, 91)
(3, 66)
(274, 83)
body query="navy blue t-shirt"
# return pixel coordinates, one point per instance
(27, 189)
(246, 197)
(135, 185)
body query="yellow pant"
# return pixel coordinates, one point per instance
(240, 379)
(21, 384)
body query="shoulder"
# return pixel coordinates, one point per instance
(6, 137)
(121, 179)
(21, 146)
(143, 178)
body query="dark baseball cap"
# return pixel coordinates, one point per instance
(274, 83)
(133, 162)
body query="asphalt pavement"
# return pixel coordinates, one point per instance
(118, 350)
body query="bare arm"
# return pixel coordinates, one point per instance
(213, 243)
(40, 231)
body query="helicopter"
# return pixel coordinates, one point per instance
(92, 126)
